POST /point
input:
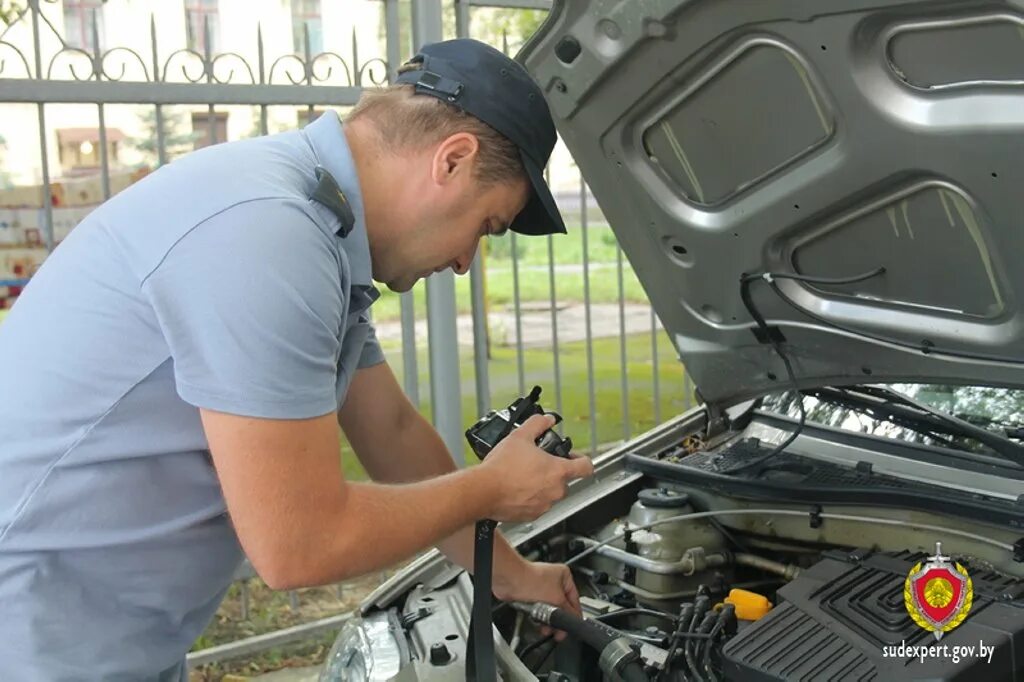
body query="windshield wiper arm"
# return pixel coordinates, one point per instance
(902, 406)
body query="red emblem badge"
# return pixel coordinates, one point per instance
(938, 594)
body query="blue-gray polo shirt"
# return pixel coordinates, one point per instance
(215, 282)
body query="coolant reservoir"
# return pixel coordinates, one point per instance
(668, 541)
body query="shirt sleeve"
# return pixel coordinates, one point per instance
(250, 304)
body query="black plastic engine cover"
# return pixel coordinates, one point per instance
(834, 621)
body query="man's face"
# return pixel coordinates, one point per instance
(455, 210)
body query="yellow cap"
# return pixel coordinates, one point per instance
(749, 605)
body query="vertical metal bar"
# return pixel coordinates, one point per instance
(293, 600)
(587, 311)
(211, 124)
(554, 313)
(161, 142)
(443, 349)
(355, 58)
(622, 345)
(426, 22)
(442, 333)
(462, 18)
(687, 390)
(554, 324)
(261, 61)
(211, 118)
(47, 195)
(339, 590)
(393, 32)
(410, 370)
(161, 146)
(520, 369)
(654, 367)
(480, 356)
(104, 157)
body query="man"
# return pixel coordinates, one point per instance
(173, 379)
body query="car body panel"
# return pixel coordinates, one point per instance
(828, 138)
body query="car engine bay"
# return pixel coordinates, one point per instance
(707, 583)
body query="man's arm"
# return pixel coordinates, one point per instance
(397, 445)
(301, 524)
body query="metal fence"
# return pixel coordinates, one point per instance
(40, 68)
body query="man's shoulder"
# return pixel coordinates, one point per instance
(237, 186)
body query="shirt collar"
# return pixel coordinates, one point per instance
(331, 148)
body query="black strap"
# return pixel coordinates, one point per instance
(481, 665)
(329, 193)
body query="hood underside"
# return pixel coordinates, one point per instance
(825, 138)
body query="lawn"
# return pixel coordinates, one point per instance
(533, 266)
(539, 369)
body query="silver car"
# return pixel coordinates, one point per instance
(818, 197)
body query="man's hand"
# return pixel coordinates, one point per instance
(540, 582)
(529, 480)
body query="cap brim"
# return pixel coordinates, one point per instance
(541, 215)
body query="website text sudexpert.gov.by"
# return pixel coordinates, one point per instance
(952, 652)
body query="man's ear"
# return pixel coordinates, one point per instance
(454, 158)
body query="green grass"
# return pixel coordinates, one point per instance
(533, 283)
(539, 369)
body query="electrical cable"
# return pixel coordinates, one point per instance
(926, 347)
(682, 624)
(727, 612)
(481, 662)
(727, 534)
(532, 646)
(634, 612)
(701, 610)
(693, 516)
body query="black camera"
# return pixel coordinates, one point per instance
(497, 424)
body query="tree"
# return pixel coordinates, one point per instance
(176, 142)
(514, 25)
(10, 9)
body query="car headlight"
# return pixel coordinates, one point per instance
(365, 651)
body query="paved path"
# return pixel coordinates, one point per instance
(535, 320)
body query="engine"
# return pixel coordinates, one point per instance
(699, 600)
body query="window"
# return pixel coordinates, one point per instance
(201, 122)
(307, 13)
(78, 18)
(198, 15)
(79, 149)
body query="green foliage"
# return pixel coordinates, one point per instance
(495, 26)
(176, 142)
(10, 9)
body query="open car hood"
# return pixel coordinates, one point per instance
(823, 137)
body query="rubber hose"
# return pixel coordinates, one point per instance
(597, 635)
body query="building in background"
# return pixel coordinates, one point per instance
(75, 30)
(174, 41)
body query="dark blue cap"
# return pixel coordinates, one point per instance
(497, 90)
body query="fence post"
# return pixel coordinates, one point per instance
(442, 334)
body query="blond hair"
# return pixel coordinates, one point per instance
(405, 121)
